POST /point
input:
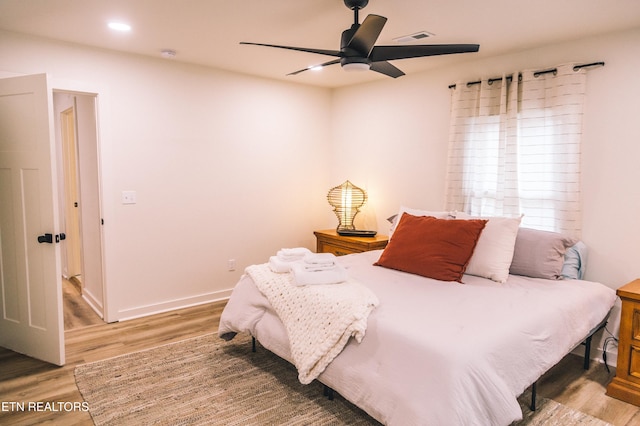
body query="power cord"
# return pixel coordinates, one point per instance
(606, 342)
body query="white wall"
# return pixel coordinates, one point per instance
(392, 138)
(225, 167)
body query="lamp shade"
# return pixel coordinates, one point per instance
(346, 201)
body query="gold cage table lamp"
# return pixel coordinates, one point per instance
(346, 200)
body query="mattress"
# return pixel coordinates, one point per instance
(439, 352)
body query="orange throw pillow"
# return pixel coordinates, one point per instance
(434, 248)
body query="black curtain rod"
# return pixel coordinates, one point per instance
(535, 74)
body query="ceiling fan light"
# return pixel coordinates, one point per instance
(356, 67)
(119, 26)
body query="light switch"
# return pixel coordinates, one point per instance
(129, 197)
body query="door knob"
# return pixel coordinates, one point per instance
(46, 238)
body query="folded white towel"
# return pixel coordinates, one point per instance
(292, 254)
(333, 275)
(320, 258)
(278, 265)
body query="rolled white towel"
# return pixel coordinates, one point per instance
(318, 266)
(278, 265)
(292, 254)
(296, 251)
(320, 258)
(301, 276)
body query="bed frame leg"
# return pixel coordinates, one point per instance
(328, 392)
(534, 387)
(253, 344)
(587, 342)
(587, 352)
(585, 364)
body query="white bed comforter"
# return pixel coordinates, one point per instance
(440, 353)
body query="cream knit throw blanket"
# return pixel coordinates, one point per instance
(319, 319)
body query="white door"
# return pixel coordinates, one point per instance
(31, 318)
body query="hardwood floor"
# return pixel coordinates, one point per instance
(77, 313)
(569, 384)
(25, 380)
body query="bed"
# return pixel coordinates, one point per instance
(434, 351)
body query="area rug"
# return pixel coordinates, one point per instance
(206, 381)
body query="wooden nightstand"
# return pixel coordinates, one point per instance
(328, 241)
(626, 384)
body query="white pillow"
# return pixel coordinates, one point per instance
(494, 251)
(416, 212)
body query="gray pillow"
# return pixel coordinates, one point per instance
(575, 261)
(539, 254)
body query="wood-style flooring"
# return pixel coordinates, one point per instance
(77, 313)
(23, 379)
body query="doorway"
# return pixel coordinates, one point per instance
(72, 258)
(79, 201)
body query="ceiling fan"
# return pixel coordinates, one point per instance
(358, 50)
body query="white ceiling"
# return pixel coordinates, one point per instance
(208, 32)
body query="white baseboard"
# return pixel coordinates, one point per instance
(143, 311)
(612, 356)
(93, 303)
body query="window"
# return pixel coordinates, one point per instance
(514, 148)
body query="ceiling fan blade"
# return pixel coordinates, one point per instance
(389, 53)
(367, 34)
(335, 61)
(386, 68)
(301, 49)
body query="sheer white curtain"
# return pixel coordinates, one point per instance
(514, 148)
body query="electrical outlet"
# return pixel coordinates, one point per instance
(231, 264)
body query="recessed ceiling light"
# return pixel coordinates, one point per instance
(119, 26)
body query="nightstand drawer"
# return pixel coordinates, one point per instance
(634, 362)
(323, 247)
(328, 241)
(635, 324)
